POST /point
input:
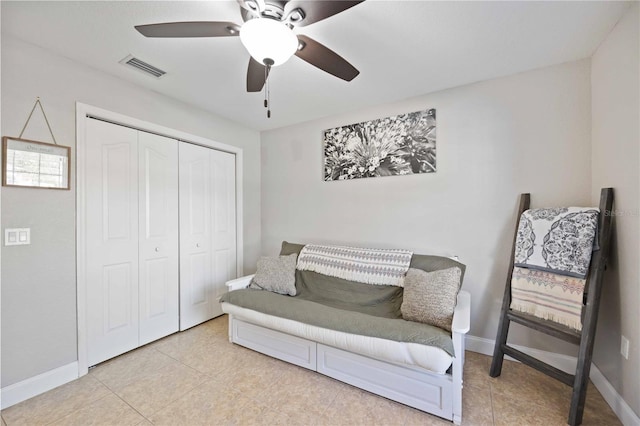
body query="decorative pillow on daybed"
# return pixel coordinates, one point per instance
(276, 274)
(430, 297)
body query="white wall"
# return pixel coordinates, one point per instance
(496, 139)
(38, 281)
(615, 88)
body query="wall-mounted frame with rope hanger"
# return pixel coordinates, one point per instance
(33, 164)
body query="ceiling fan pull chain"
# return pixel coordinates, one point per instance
(268, 101)
(267, 93)
(266, 76)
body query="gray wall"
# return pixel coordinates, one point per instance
(496, 139)
(39, 280)
(615, 88)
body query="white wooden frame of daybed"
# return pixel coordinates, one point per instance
(438, 394)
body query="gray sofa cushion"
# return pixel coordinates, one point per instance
(276, 274)
(430, 297)
(344, 320)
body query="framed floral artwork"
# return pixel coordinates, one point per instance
(399, 145)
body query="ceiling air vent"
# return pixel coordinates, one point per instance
(140, 65)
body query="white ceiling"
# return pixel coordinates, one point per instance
(402, 49)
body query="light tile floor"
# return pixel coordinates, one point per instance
(198, 378)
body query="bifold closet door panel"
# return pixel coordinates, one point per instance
(223, 168)
(111, 198)
(196, 297)
(158, 236)
(207, 231)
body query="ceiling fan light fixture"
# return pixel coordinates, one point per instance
(266, 38)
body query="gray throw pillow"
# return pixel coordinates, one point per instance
(430, 297)
(276, 274)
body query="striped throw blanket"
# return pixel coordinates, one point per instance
(548, 296)
(370, 266)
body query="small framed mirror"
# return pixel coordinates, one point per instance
(32, 164)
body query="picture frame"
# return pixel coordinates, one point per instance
(33, 164)
(402, 144)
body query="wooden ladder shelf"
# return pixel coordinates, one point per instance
(583, 339)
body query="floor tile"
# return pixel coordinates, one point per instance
(56, 403)
(477, 408)
(250, 414)
(252, 380)
(355, 406)
(157, 389)
(212, 358)
(130, 367)
(178, 344)
(476, 370)
(110, 410)
(267, 417)
(210, 403)
(520, 409)
(198, 377)
(420, 418)
(304, 391)
(517, 378)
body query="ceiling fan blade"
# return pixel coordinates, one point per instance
(317, 10)
(256, 76)
(246, 14)
(326, 59)
(190, 29)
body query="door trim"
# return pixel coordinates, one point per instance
(85, 111)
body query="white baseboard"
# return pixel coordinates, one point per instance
(21, 391)
(567, 364)
(484, 346)
(619, 406)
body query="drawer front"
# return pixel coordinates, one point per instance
(424, 391)
(279, 345)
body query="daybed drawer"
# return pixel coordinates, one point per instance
(425, 391)
(273, 343)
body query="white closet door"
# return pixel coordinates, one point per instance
(207, 231)
(111, 240)
(223, 174)
(158, 236)
(196, 297)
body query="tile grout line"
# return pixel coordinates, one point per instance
(203, 379)
(62, 416)
(199, 385)
(133, 381)
(133, 408)
(493, 414)
(77, 410)
(174, 400)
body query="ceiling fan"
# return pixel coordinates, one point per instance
(267, 34)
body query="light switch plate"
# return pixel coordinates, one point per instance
(17, 236)
(624, 347)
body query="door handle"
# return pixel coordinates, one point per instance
(157, 249)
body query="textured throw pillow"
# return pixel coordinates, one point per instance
(276, 274)
(430, 297)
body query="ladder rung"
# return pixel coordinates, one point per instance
(545, 326)
(543, 367)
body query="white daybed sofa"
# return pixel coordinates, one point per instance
(419, 375)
